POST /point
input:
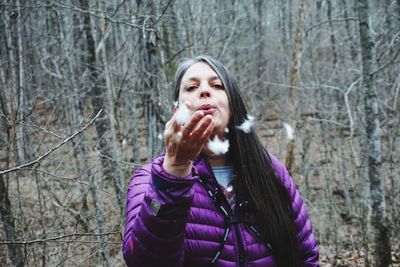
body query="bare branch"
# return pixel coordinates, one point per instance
(52, 149)
(391, 61)
(328, 21)
(55, 239)
(56, 74)
(102, 14)
(329, 121)
(346, 99)
(33, 126)
(163, 12)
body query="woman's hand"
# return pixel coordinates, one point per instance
(184, 143)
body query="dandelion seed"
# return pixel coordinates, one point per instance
(247, 124)
(229, 188)
(226, 130)
(183, 114)
(289, 131)
(160, 136)
(217, 146)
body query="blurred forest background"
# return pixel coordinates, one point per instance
(86, 88)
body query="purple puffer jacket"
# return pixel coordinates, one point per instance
(174, 222)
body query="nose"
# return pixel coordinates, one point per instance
(205, 91)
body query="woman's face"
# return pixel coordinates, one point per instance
(202, 88)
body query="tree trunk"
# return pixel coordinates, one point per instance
(101, 124)
(372, 147)
(97, 95)
(21, 89)
(393, 181)
(7, 218)
(332, 35)
(349, 34)
(74, 117)
(305, 161)
(261, 64)
(295, 82)
(282, 25)
(152, 113)
(290, 23)
(11, 111)
(111, 96)
(398, 11)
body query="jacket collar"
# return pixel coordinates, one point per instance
(203, 167)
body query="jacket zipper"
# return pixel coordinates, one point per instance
(236, 227)
(238, 239)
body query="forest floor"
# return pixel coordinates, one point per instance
(356, 258)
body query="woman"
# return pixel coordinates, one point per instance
(195, 207)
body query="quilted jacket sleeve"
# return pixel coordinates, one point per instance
(309, 253)
(157, 207)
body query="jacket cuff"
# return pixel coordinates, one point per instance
(164, 181)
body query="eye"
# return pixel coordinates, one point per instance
(190, 88)
(218, 86)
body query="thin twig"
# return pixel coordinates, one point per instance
(346, 99)
(391, 61)
(330, 121)
(102, 14)
(45, 130)
(52, 149)
(162, 13)
(328, 21)
(71, 179)
(54, 239)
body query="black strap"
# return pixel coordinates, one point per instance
(229, 219)
(232, 219)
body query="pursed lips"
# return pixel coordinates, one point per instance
(207, 109)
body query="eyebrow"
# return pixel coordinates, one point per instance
(212, 78)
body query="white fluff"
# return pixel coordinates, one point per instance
(247, 124)
(183, 114)
(289, 131)
(217, 146)
(226, 130)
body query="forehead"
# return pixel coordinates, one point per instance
(199, 71)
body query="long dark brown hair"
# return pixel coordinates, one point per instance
(257, 181)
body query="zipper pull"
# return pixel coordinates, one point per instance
(241, 261)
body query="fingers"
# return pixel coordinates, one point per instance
(182, 114)
(208, 131)
(170, 132)
(196, 117)
(172, 125)
(201, 127)
(192, 136)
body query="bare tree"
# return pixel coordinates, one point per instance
(372, 143)
(295, 82)
(61, 61)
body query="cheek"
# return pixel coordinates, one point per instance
(227, 108)
(226, 114)
(227, 117)
(182, 99)
(186, 97)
